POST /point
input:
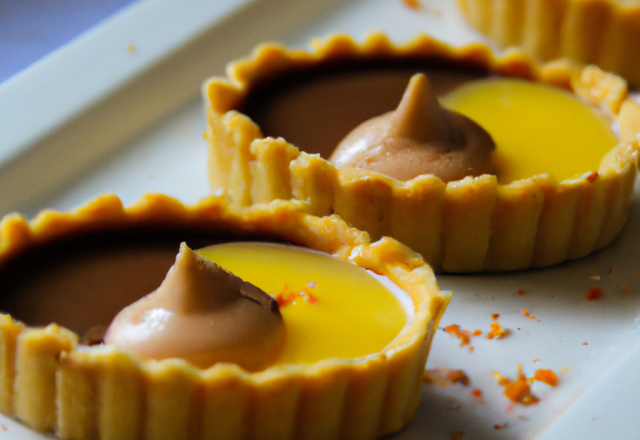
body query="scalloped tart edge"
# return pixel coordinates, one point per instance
(471, 225)
(590, 32)
(55, 385)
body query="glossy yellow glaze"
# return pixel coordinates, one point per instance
(331, 308)
(537, 129)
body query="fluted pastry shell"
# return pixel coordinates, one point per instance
(601, 32)
(470, 225)
(52, 383)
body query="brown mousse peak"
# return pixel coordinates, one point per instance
(204, 314)
(419, 137)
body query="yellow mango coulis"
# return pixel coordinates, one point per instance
(331, 308)
(537, 128)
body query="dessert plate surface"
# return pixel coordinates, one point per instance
(118, 110)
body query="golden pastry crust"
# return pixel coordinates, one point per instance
(591, 32)
(470, 225)
(53, 384)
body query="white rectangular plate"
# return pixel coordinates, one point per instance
(118, 110)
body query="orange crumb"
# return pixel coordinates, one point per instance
(458, 376)
(594, 293)
(413, 4)
(546, 376)
(519, 390)
(463, 335)
(477, 393)
(284, 297)
(526, 313)
(445, 377)
(625, 287)
(497, 427)
(536, 360)
(592, 177)
(496, 331)
(510, 407)
(471, 349)
(595, 278)
(288, 296)
(522, 292)
(585, 343)
(130, 48)
(495, 316)
(309, 297)
(609, 270)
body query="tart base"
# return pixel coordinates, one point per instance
(591, 32)
(471, 225)
(53, 384)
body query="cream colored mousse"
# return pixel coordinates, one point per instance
(203, 314)
(419, 137)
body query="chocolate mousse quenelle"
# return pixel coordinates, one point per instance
(419, 137)
(204, 314)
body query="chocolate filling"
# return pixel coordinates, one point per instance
(315, 108)
(83, 281)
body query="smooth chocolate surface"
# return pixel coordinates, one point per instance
(85, 280)
(316, 109)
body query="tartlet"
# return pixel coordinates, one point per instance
(599, 32)
(471, 225)
(51, 382)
